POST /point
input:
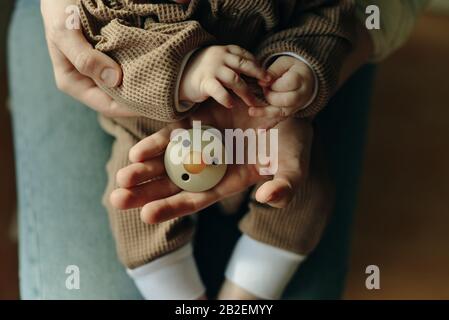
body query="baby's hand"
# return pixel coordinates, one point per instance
(215, 70)
(292, 88)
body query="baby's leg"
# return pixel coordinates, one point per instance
(276, 241)
(158, 257)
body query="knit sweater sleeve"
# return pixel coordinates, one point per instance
(321, 32)
(150, 42)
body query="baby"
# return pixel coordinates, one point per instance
(177, 55)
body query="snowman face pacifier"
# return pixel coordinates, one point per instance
(194, 159)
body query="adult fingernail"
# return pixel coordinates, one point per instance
(110, 77)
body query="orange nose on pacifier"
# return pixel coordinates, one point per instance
(193, 162)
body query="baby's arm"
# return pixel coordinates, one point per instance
(167, 67)
(305, 58)
(152, 53)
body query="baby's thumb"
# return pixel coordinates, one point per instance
(278, 67)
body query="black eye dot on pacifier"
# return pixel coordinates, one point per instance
(186, 143)
(185, 177)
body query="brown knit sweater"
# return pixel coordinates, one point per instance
(151, 38)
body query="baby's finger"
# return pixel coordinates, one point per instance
(280, 66)
(248, 67)
(291, 99)
(232, 80)
(140, 195)
(138, 173)
(215, 89)
(239, 51)
(289, 81)
(151, 146)
(178, 205)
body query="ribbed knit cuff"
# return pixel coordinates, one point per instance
(325, 66)
(322, 34)
(183, 106)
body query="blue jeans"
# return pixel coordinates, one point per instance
(61, 153)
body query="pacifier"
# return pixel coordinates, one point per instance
(195, 158)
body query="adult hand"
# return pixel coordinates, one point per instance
(78, 68)
(162, 200)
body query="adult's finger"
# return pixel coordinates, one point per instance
(178, 205)
(138, 196)
(293, 163)
(279, 191)
(138, 173)
(88, 61)
(237, 179)
(84, 89)
(151, 146)
(70, 40)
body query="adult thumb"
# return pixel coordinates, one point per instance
(90, 62)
